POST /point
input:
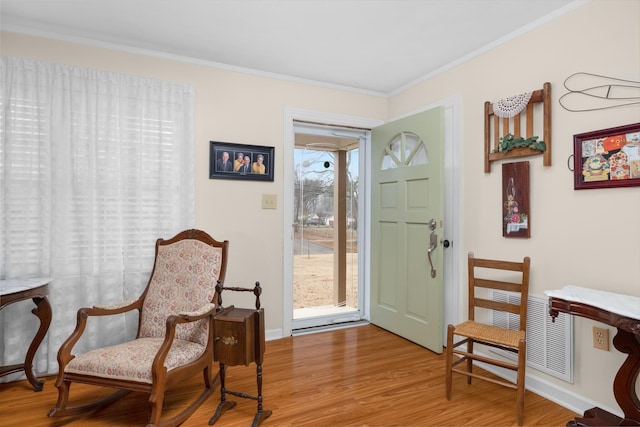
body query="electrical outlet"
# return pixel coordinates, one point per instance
(269, 201)
(601, 338)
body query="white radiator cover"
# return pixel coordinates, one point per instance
(549, 344)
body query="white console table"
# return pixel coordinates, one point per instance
(14, 290)
(623, 313)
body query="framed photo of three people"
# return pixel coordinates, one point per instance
(240, 161)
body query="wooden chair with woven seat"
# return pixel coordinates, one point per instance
(485, 275)
(174, 340)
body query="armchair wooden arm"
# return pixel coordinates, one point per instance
(64, 353)
(208, 311)
(126, 305)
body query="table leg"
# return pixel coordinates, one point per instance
(595, 417)
(224, 404)
(261, 414)
(624, 384)
(624, 388)
(43, 312)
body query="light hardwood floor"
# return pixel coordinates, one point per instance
(362, 376)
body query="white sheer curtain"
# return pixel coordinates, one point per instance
(95, 166)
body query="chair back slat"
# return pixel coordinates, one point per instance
(498, 284)
(498, 264)
(500, 275)
(497, 305)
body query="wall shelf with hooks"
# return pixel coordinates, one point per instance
(496, 127)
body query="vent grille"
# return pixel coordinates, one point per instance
(549, 344)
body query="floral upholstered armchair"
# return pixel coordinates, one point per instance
(174, 341)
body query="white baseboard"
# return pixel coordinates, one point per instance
(273, 334)
(553, 392)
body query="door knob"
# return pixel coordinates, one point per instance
(445, 243)
(433, 244)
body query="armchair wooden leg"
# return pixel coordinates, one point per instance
(63, 397)
(155, 420)
(62, 407)
(156, 410)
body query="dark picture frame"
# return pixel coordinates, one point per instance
(224, 161)
(607, 158)
(516, 207)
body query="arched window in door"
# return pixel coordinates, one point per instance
(404, 149)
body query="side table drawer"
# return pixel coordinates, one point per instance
(234, 333)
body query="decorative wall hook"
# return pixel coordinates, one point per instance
(570, 162)
(593, 92)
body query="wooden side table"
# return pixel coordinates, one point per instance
(15, 290)
(239, 340)
(627, 340)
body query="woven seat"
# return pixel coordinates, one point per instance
(489, 333)
(490, 274)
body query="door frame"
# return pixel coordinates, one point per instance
(291, 115)
(337, 315)
(452, 106)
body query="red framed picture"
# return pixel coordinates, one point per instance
(607, 158)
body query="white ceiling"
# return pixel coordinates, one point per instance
(374, 46)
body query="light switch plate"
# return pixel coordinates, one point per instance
(269, 201)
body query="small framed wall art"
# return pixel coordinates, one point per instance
(516, 211)
(240, 161)
(607, 158)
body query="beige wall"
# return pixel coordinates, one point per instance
(589, 238)
(231, 107)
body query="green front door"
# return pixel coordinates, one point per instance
(407, 212)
